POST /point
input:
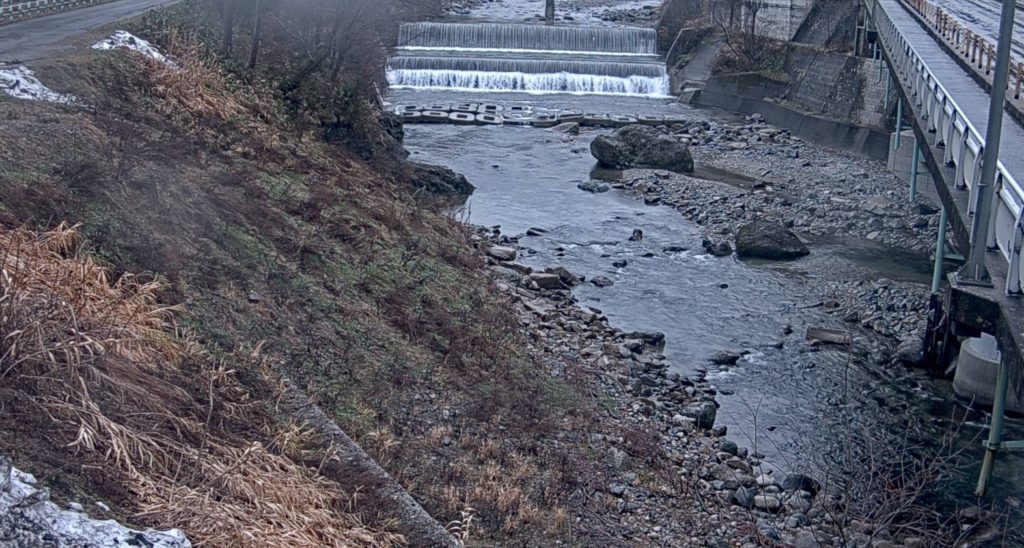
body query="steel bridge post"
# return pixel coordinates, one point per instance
(940, 251)
(995, 429)
(974, 271)
(913, 170)
(899, 120)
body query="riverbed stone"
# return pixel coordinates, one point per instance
(744, 497)
(766, 240)
(801, 482)
(502, 253)
(768, 503)
(602, 281)
(570, 128)
(718, 248)
(545, 280)
(638, 146)
(703, 412)
(440, 180)
(595, 187)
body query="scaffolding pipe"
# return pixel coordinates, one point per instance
(913, 171)
(899, 120)
(940, 251)
(995, 429)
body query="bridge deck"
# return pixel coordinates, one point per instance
(972, 99)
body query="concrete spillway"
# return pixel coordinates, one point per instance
(529, 58)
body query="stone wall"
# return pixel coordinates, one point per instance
(16, 10)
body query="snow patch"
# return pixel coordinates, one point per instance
(28, 518)
(126, 40)
(22, 83)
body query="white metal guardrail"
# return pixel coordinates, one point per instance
(963, 145)
(12, 10)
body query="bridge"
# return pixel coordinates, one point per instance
(942, 74)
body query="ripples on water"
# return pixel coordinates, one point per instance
(785, 397)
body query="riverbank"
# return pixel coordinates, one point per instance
(825, 196)
(674, 477)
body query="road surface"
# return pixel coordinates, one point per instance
(44, 36)
(982, 17)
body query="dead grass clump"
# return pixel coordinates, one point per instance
(101, 361)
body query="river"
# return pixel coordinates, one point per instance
(794, 403)
(783, 402)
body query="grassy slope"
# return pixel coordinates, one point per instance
(368, 298)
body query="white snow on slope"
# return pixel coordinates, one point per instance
(28, 518)
(22, 83)
(127, 40)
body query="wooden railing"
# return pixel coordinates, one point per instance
(974, 48)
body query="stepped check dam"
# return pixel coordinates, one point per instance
(528, 58)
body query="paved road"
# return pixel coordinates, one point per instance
(44, 36)
(972, 99)
(982, 16)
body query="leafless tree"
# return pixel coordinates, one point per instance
(737, 21)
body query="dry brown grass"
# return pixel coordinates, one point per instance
(102, 361)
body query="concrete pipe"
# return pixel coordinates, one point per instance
(465, 107)
(619, 121)
(434, 116)
(650, 119)
(545, 120)
(596, 120)
(488, 119)
(411, 116)
(489, 108)
(462, 118)
(516, 120)
(976, 369)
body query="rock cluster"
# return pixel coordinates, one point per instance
(819, 194)
(731, 493)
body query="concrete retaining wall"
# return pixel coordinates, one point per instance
(752, 93)
(16, 10)
(781, 19)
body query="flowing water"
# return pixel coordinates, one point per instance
(530, 58)
(785, 398)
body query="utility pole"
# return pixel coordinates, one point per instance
(549, 10)
(974, 271)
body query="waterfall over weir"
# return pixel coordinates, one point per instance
(529, 58)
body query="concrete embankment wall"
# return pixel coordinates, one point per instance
(835, 99)
(16, 10)
(753, 93)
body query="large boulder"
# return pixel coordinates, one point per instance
(641, 146)
(440, 180)
(765, 240)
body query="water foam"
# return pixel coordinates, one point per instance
(562, 82)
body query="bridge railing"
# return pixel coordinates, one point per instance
(962, 143)
(14, 10)
(976, 49)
